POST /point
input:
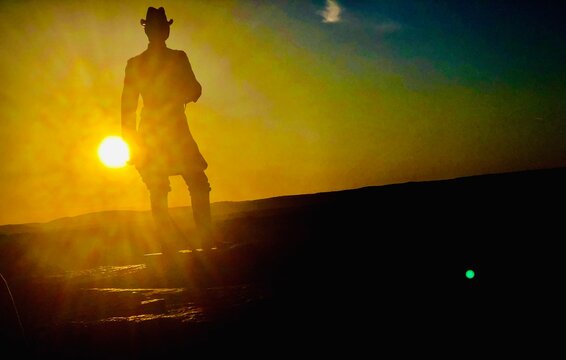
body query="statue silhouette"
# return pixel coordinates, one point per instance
(162, 144)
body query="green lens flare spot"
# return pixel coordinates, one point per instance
(470, 274)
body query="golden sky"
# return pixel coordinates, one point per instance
(298, 97)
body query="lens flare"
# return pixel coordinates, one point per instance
(114, 152)
(470, 274)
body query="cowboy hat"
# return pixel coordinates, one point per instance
(156, 17)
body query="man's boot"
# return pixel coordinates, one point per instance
(200, 203)
(165, 233)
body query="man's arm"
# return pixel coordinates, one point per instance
(193, 89)
(130, 95)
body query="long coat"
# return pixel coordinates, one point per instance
(163, 144)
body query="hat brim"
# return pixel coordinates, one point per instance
(144, 22)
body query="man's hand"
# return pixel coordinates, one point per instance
(131, 138)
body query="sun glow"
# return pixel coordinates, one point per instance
(114, 152)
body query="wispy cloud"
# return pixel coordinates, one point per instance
(332, 12)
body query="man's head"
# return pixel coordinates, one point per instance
(156, 24)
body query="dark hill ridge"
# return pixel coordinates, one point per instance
(499, 223)
(517, 187)
(352, 271)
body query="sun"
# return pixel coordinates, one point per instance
(114, 152)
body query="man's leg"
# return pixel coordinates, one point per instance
(199, 189)
(159, 208)
(166, 233)
(164, 229)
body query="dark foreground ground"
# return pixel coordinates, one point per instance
(351, 273)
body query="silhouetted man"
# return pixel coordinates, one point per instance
(162, 145)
